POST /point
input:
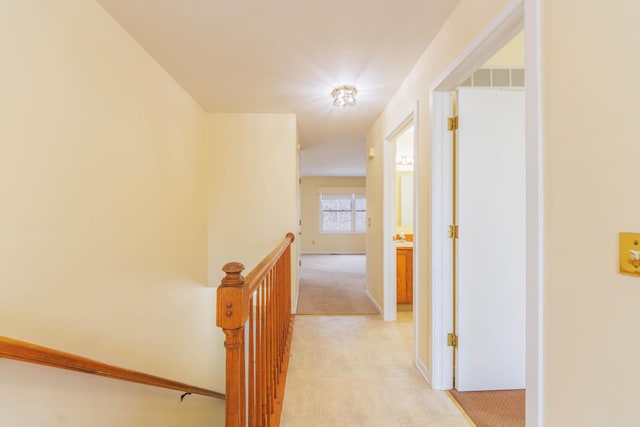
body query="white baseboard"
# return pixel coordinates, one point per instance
(424, 371)
(373, 301)
(333, 253)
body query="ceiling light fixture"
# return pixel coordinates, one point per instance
(404, 160)
(344, 96)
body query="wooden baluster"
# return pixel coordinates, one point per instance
(281, 310)
(273, 368)
(272, 349)
(265, 341)
(258, 348)
(287, 282)
(276, 331)
(263, 358)
(252, 362)
(283, 316)
(267, 352)
(267, 376)
(275, 334)
(231, 314)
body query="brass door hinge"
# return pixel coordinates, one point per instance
(452, 123)
(452, 340)
(453, 231)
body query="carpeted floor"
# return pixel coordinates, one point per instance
(502, 408)
(333, 284)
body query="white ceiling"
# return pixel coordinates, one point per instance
(286, 56)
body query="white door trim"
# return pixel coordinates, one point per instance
(535, 225)
(389, 216)
(441, 245)
(518, 14)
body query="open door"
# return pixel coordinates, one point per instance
(491, 240)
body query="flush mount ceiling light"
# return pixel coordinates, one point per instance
(404, 160)
(344, 96)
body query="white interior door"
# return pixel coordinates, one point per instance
(491, 245)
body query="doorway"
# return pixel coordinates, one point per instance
(401, 245)
(489, 207)
(502, 29)
(403, 236)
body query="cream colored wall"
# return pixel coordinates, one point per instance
(252, 188)
(511, 54)
(312, 240)
(590, 84)
(404, 147)
(406, 229)
(103, 223)
(468, 19)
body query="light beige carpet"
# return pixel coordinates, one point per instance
(359, 371)
(333, 284)
(502, 408)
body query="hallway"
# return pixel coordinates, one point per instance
(333, 284)
(358, 371)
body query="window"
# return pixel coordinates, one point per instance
(343, 213)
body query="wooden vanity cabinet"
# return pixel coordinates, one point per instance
(404, 275)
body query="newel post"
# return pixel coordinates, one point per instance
(231, 315)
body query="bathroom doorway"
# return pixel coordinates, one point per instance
(400, 243)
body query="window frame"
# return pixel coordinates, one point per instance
(353, 197)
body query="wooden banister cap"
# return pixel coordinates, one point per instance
(233, 267)
(233, 272)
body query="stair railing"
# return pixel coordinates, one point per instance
(32, 353)
(255, 314)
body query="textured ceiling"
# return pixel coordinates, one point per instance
(286, 56)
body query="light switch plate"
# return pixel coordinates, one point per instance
(630, 253)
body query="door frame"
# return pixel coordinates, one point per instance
(516, 16)
(389, 218)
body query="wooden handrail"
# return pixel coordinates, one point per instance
(255, 316)
(27, 352)
(257, 275)
(232, 319)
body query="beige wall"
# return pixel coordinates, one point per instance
(400, 228)
(102, 223)
(591, 142)
(404, 146)
(252, 188)
(589, 315)
(469, 18)
(511, 54)
(312, 240)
